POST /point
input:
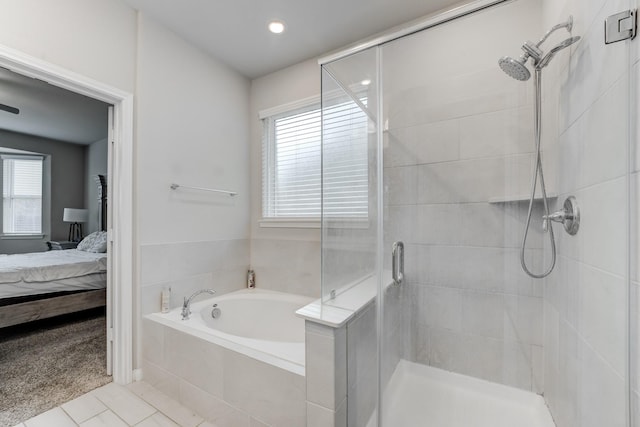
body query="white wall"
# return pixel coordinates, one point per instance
(284, 259)
(191, 127)
(95, 38)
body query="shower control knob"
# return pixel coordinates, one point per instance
(558, 216)
(569, 216)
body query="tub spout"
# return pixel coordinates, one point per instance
(186, 306)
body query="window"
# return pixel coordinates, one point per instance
(21, 194)
(292, 162)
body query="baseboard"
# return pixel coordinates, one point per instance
(137, 375)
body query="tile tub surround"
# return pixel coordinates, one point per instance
(187, 267)
(341, 371)
(291, 266)
(326, 375)
(225, 386)
(257, 323)
(341, 361)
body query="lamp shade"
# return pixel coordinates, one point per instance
(75, 215)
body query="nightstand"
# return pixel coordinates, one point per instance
(59, 246)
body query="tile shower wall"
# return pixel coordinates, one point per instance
(585, 300)
(634, 293)
(634, 318)
(459, 135)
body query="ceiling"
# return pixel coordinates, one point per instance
(50, 112)
(235, 31)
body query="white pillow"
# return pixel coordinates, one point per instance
(94, 242)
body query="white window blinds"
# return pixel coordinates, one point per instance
(21, 195)
(292, 162)
(345, 161)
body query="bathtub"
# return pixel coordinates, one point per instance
(258, 323)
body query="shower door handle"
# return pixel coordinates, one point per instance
(397, 263)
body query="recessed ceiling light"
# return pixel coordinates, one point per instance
(276, 27)
(365, 82)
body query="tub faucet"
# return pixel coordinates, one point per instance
(186, 306)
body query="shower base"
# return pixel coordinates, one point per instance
(420, 395)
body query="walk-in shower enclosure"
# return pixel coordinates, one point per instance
(426, 141)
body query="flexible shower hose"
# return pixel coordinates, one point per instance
(538, 172)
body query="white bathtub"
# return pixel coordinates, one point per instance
(257, 323)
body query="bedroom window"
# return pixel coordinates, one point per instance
(22, 195)
(292, 163)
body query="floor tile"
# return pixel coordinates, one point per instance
(83, 408)
(255, 423)
(124, 403)
(138, 404)
(182, 415)
(157, 420)
(53, 418)
(104, 419)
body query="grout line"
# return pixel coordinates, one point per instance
(109, 408)
(94, 415)
(69, 415)
(118, 416)
(156, 412)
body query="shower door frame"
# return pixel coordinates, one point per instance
(418, 25)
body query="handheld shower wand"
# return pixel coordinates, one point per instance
(568, 24)
(517, 69)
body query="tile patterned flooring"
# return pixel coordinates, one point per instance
(137, 404)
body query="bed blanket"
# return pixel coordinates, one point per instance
(51, 265)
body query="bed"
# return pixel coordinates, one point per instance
(45, 284)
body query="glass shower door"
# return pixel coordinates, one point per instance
(447, 142)
(458, 159)
(351, 220)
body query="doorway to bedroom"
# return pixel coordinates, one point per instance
(54, 262)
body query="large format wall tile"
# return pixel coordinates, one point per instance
(191, 266)
(287, 265)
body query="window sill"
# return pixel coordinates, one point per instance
(289, 223)
(22, 236)
(360, 223)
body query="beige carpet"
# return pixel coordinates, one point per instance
(45, 365)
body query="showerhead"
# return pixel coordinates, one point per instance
(515, 68)
(557, 48)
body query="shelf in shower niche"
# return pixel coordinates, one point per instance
(520, 198)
